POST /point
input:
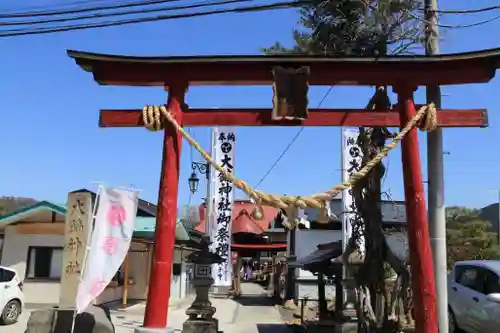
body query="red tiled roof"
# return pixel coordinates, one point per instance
(243, 221)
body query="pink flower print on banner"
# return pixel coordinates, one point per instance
(97, 287)
(116, 215)
(110, 245)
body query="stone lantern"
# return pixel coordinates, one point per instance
(201, 311)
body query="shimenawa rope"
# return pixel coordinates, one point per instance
(152, 117)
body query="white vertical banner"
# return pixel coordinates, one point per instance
(352, 157)
(209, 219)
(223, 205)
(110, 241)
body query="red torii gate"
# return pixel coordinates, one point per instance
(403, 73)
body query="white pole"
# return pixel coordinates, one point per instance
(210, 188)
(345, 219)
(435, 176)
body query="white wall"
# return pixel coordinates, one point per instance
(306, 242)
(138, 271)
(178, 286)
(1, 246)
(15, 255)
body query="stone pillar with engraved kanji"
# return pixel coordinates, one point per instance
(77, 225)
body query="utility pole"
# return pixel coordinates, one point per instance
(435, 189)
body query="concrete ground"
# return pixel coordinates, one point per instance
(253, 312)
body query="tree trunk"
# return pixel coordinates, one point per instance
(379, 309)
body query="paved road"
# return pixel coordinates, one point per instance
(19, 327)
(252, 313)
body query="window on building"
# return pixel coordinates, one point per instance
(1, 246)
(176, 269)
(44, 262)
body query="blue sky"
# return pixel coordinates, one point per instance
(51, 143)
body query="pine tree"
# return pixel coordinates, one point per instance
(355, 28)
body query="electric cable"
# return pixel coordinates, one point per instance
(53, 7)
(244, 9)
(456, 26)
(445, 26)
(131, 12)
(91, 25)
(131, 3)
(83, 10)
(290, 144)
(465, 11)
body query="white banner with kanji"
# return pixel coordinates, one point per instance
(110, 241)
(225, 140)
(352, 158)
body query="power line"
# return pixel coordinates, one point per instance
(457, 26)
(118, 5)
(290, 144)
(130, 12)
(65, 4)
(446, 26)
(28, 11)
(465, 11)
(243, 9)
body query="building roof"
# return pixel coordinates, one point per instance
(144, 227)
(458, 68)
(243, 221)
(32, 209)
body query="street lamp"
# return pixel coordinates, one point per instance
(194, 181)
(202, 168)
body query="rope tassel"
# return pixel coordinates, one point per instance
(425, 119)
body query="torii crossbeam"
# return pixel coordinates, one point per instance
(404, 73)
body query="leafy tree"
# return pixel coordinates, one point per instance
(468, 237)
